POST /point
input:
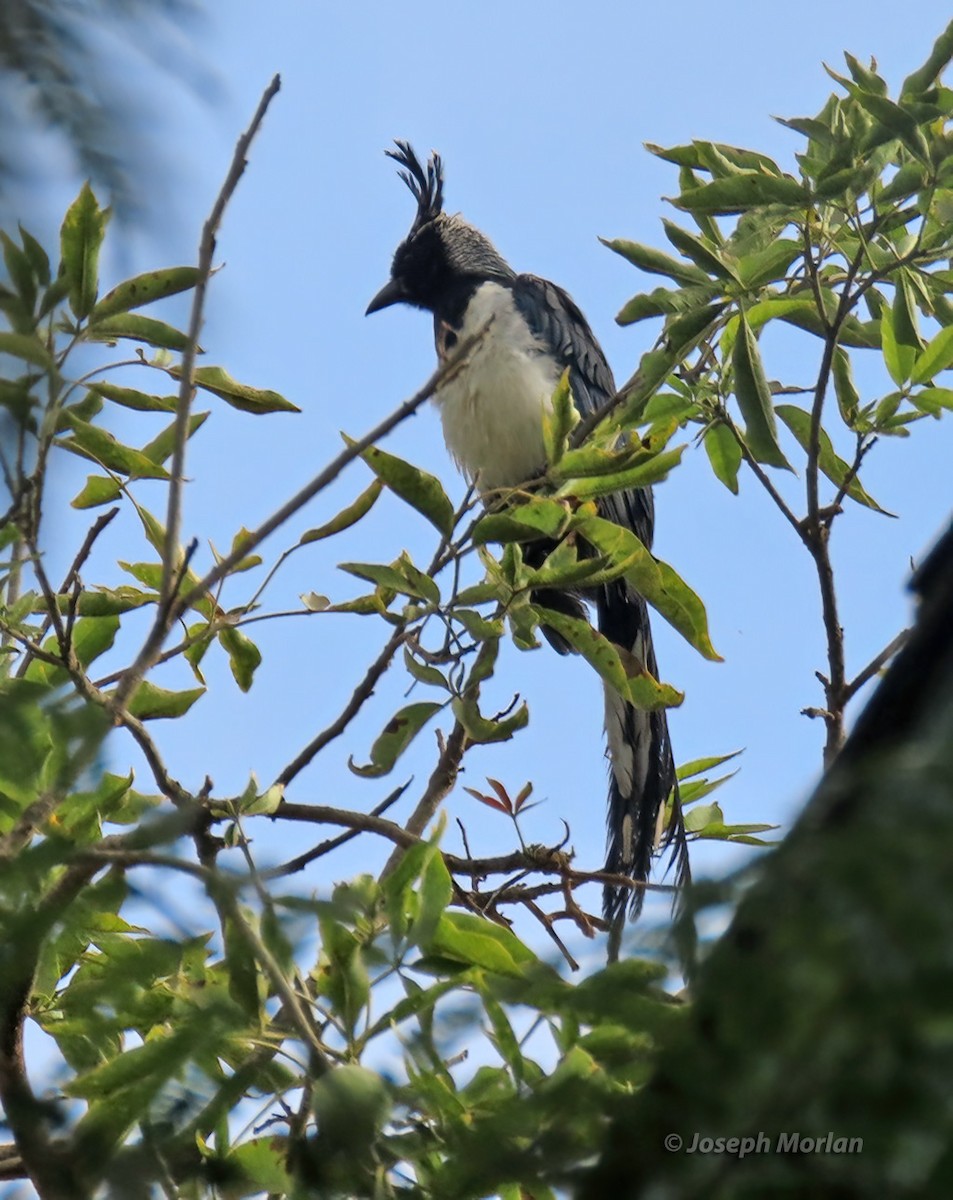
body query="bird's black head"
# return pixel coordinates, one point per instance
(442, 256)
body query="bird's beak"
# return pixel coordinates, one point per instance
(391, 293)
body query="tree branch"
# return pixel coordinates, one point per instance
(876, 665)
(186, 389)
(439, 786)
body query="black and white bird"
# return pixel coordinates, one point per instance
(491, 410)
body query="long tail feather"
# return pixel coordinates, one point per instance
(641, 770)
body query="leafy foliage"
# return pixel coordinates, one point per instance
(243, 1059)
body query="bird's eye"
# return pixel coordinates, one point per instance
(449, 340)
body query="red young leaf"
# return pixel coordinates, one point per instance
(488, 800)
(524, 795)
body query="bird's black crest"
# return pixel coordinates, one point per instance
(426, 185)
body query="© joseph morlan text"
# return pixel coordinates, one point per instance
(782, 1143)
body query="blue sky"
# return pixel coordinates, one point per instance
(541, 113)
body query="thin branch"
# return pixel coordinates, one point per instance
(546, 921)
(876, 665)
(322, 814)
(86, 549)
(186, 388)
(762, 477)
(72, 575)
(361, 693)
(298, 864)
(439, 786)
(50, 599)
(863, 449)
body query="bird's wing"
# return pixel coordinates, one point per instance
(555, 318)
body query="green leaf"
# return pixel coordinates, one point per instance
(848, 401)
(741, 192)
(834, 467)
(668, 594)
(81, 238)
(754, 400)
(559, 421)
(260, 1162)
(654, 262)
(705, 254)
(397, 577)
(716, 157)
(690, 793)
(396, 736)
(418, 1001)
(436, 890)
(629, 678)
(135, 328)
(663, 302)
(163, 444)
(477, 625)
(130, 398)
(503, 1036)
(414, 486)
(27, 347)
(351, 1104)
(106, 602)
(37, 257)
(255, 803)
(924, 77)
(244, 657)
(708, 814)
(937, 357)
(156, 1060)
(655, 469)
(346, 517)
(239, 395)
(769, 265)
(933, 399)
(423, 672)
(656, 366)
(564, 568)
(93, 636)
(144, 289)
(697, 766)
(901, 339)
(724, 454)
(152, 703)
(20, 271)
(483, 729)
(98, 490)
(54, 295)
(897, 122)
(538, 517)
(866, 77)
(476, 942)
(89, 441)
(909, 180)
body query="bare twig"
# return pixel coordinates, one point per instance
(863, 449)
(439, 786)
(762, 477)
(206, 252)
(546, 921)
(298, 864)
(876, 665)
(322, 814)
(360, 694)
(72, 576)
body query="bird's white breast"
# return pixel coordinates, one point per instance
(492, 409)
